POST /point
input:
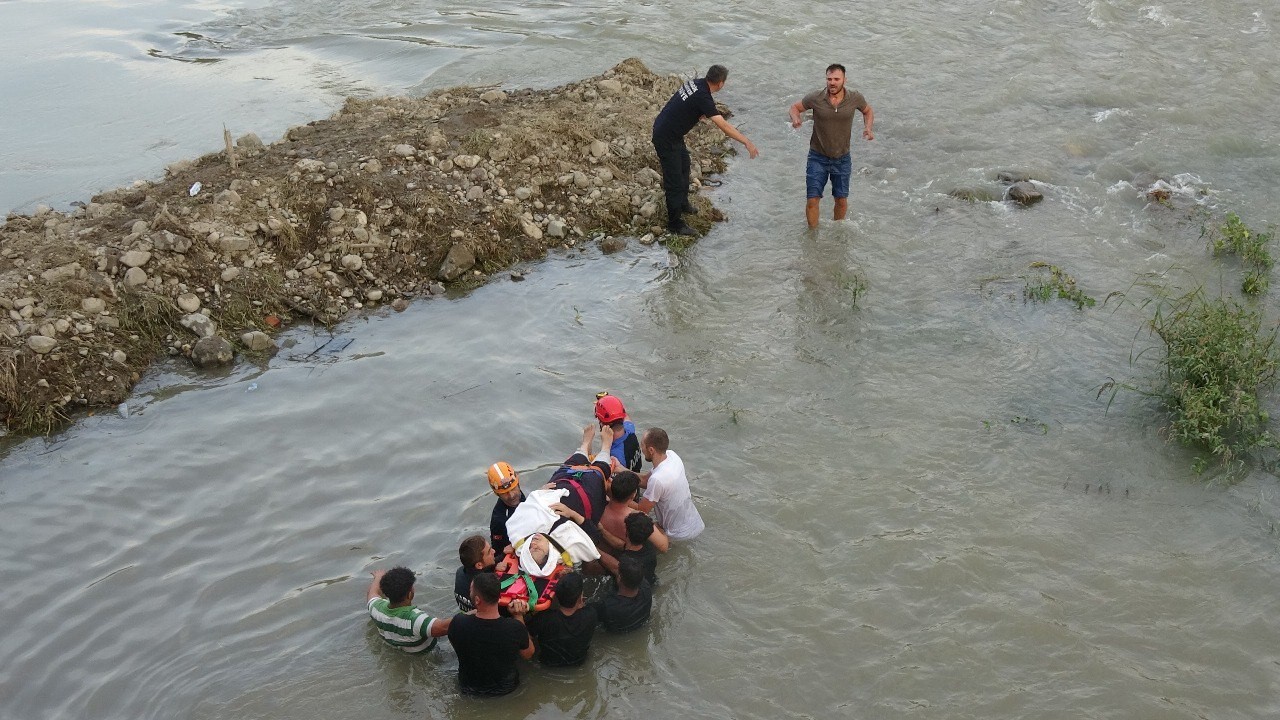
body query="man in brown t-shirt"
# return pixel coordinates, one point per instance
(833, 109)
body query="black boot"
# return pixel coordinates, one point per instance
(681, 228)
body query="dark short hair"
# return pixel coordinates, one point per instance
(569, 589)
(837, 66)
(657, 439)
(486, 586)
(639, 527)
(471, 551)
(717, 74)
(630, 572)
(396, 584)
(625, 485)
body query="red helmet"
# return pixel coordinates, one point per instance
(609, 410)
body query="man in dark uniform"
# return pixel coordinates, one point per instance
(690, 103)
(506, 485)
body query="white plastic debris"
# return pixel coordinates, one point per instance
(195, 189)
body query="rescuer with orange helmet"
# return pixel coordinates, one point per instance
(506, 485)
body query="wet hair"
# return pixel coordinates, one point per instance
(625, 485)
(471, 551)
(639, 528)
(657, 439)
(837, 66)
(717, 74)
(486, 586)
(630, 572)
(569, 590)
(397, 584)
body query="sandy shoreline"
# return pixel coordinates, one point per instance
(389, 200)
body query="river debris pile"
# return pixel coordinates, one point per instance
(390, 199)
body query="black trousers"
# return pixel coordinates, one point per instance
(674, 158)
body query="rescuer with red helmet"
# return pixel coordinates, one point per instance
(626, 446)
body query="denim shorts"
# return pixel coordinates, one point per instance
(818, 168)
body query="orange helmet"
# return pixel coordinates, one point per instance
(503, 478)
(609, 409)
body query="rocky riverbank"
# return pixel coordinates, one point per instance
(389, 200)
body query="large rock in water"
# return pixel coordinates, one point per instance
(212, 352)
(1024, 193)
(459, 260)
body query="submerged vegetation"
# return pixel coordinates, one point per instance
(1043, 288)
(1233, 237)
(1218, 361)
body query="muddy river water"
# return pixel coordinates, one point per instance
(917, 504)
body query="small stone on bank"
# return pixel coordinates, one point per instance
(188, 302)
(211, 352)
(135, 276)
(199, 324)
(257, 341)
(41, 344)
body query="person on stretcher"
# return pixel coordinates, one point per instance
(550, 545)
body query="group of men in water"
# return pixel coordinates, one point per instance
(521, 591)
(829, 161)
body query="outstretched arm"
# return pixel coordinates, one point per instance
(375, 587)
(868, 117)
(732, 132)
(440, 627)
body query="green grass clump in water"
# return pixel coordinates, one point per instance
(1218, 359)
(1235, 238)
(1057, 284)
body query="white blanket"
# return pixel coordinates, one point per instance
(535, 515)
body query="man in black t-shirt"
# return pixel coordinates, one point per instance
(639, 530)
(487, 643)
(563, 635)
(628, 608)
(690, 103)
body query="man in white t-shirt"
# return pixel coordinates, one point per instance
(666, 488)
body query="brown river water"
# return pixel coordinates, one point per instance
(917, 504)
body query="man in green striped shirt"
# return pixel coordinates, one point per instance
(390, 601)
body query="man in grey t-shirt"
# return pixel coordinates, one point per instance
(833, 109)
